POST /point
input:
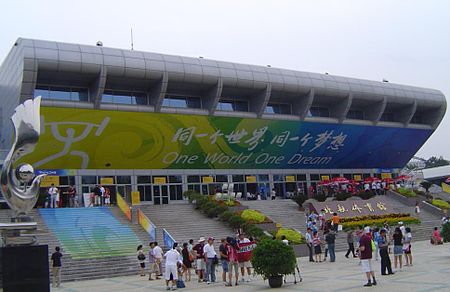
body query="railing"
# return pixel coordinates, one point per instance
(168, 239)
(123, 206)
(146, 224)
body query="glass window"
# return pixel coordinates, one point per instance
(121, 97)
(221, 178)
(67, 180)
(79, 95)
(89, 180)
(318, 111)
(315, 177)
(263, 178)
(123, 179)
(141, 99)
(176, 192)
(106, 97)
(355, 115)
(366, 175)
(145, 179)
(182, 101)
(301, 177)
(278, 177)
(175, 179)
(387, 117)
(225, 106)
(417, 119)
(194, 187)
(278, 108)
(193, 179)
(60, 93)
(241, 106)
(238, 178)
(233, 105)
(348, 176)
(41, 92)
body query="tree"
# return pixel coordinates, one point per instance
(434, 161)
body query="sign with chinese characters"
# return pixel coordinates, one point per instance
(325, 177)
(386, 175)
(290, 178)
(357, 177)
(159, 180)
(350, 208)
(106, 181)
(102, 139)
(250, 179)
(207, 179)
(48, 180)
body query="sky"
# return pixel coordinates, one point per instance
(403, 41)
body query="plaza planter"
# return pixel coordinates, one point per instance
(275, 281)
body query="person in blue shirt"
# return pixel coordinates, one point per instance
(376, 236)
(383, 244)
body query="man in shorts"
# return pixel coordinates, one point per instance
(245, 264)
(200, 259)
(233, 262)
(365, 248)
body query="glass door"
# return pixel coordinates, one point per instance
(160, 194)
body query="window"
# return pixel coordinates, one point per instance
(238, 178)
(62, 93)
(387, 117)
(144, 179)
(233, 105)
(175, 179)
(221, 178)
(182, 101)
(278, 108)
(193, 179)
(89, 180)
(123, 179)
(122, 97)
(67, 180)
(314, 177)
(301, 177)
(263, 178)
(355, 115)
(417, 119)
(318, 111)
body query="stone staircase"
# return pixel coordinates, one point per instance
(287, 214)
(98, 252)
(183, 222)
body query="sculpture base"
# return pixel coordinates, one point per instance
(25, 268)
(14, 234)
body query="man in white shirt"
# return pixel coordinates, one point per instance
(309, 243)
(158, 253)
(210, 255)
(53, 193)
(172, 259)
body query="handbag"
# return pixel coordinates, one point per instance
(215, 260)
(141, 257)
(180, 284)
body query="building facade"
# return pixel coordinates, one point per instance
(162, 124)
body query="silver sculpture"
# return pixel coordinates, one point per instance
(19, 185)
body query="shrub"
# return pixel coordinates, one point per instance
(190, 194)
(321, 197)
(273, 258)
(253, 216)
(420, 193)
(236, 221)
(406, 192)
(200, 201)
(342, 196)
(380, 222)
(366, 195)
(291, 235)
(225, 216)
(441, 204)
(445, 232)
(207, 206)
(300, 199)
(252, 230)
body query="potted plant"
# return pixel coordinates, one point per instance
(272, 259)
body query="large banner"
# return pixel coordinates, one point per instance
(98, 139)
(245, 251)
(146, 224)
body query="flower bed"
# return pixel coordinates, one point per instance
(374, 217)
(229, 203)
(441, 204)
(291, 235)
(254, 216)
(380, 222)
(406, 192)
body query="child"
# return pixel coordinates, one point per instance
(317, 248)
(141, 259)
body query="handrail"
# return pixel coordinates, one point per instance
(123, 206)
(147, 224)
(168, 239)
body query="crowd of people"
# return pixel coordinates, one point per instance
(58, 198)
(201, 257)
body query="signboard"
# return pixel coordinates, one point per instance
(325, 177)
(290, 178)
(48, 180)
(374, 206)
(135, 198)
(250, 179)
(245, 251)
(357, 177)
(386, 175)
(123, 140)
(56, 172)
(159, 180)
(207, 179)
(106, 181)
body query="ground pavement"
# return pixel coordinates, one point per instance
(430, 273)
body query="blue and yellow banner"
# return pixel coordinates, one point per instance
(100, 139)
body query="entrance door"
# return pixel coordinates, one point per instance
(160, 194)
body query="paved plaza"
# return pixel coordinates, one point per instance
(431, 272)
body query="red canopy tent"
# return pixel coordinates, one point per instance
(403, 177)
(340, 180)
(448, 180)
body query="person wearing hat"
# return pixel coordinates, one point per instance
(210, 258)
(383, 244)
(200, 259)
(365, 248)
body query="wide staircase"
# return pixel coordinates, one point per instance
(286, 213)
(183, 222)
(95, 242)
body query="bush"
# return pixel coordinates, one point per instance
(236, 221)
(366, 195)
(273, 258)
(190, 194)
(380, 222)
(321, 197)
(342, 196)
(253, 216)
(225, 216)
(200, 201)
(441, 204)
(252, 230)
(406, 192)
(291, 235)
(420, 193)
(300, 199)
(445, 232)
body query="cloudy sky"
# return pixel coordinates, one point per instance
(406, 42)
